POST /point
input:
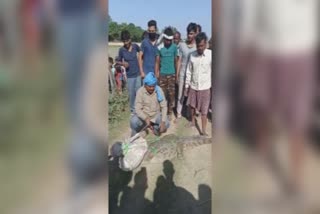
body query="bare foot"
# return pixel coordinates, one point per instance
(204, 134)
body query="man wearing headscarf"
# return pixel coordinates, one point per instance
(151, 107)
(166, 68)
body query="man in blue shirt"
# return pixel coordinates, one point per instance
(147, 56)
(128, 57)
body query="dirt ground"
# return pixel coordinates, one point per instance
(245, 184)
(239, 185)
(166, 185)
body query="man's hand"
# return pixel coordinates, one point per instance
(125, 64)
(177, 80)
(142, 74)
(162, 127)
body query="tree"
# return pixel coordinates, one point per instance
(116, 28)
(113, 31)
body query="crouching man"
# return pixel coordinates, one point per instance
(151, 107)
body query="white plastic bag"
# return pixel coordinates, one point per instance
(133, 153)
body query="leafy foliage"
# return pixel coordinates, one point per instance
(116, 28)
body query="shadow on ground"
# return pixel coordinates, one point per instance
(167, 197)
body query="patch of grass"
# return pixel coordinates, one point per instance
(119, 116)
(118, 105)
(117, 130)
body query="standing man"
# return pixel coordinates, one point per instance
(166, 66)
(199, 29)
(177, 41)
(184, 51)
(128, 57)
(177, 38)
(198, 81)
(147, 56)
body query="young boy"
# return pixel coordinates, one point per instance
(111, 72)
(165, 68)
(120, 77)
(198, 81)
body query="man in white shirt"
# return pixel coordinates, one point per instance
(198, 81)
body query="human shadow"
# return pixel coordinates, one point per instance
(172, 199)
(205, 199)
(167, 197)
(133, 199)
(118, 182)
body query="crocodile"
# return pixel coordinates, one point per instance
(173, 146)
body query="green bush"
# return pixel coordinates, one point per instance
(118, 104)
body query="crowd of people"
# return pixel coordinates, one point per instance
(163, 75)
